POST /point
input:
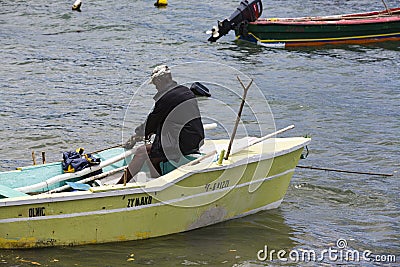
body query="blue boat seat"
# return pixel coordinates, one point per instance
(6, 192)
(169, 166)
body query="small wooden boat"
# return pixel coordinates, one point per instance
(359, 28)
(199, 193)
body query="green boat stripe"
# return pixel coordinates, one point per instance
(101, 212)
(323, 39)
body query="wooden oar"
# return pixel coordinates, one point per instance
(262, 139)
(86, 180)
(104, 149)
(67, 176)
(389, 13)
(238, 149)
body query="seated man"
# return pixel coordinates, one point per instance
(175, 121)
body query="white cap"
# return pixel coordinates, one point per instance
(160, 71)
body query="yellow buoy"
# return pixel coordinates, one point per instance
(161, 3)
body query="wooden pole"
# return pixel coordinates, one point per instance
(125, 176)
(238, 116)
(43, 157)
(33, 157)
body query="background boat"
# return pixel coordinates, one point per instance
(357, 28)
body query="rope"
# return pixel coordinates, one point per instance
(344, 171)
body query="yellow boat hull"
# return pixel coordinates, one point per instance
(182, 200)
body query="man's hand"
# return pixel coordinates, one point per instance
(140, 130)
(131, 142)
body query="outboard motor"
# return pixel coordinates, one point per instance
(248, 11)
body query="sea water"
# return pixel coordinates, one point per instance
(67, 79)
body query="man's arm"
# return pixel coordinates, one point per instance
(154, 119)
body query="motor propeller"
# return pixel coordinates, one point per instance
(214, 32)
